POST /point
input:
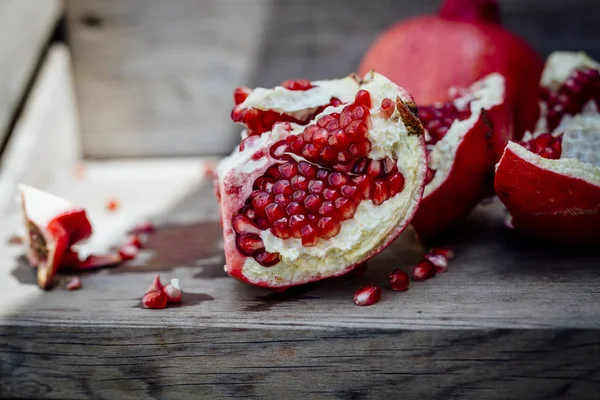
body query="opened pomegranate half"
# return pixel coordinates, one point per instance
(328, 180)
(550, 182)
(464, 139)
(53, 226)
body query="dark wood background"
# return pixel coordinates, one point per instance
(155, 77)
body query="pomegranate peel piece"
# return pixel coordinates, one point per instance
(53, 226)
(550, 182)
(464, 138)
(296, 214)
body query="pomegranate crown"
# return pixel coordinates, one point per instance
(471, 11)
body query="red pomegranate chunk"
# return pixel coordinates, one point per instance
(545, 145)
(309, 196)
(581, 87)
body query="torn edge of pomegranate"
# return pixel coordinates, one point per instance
(346, 249)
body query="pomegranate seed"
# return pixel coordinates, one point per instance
(324, 120)
(396, 184)
(374, 169)
(344, 156)
(299, 195)
(322, 174)
(312, 202)
(381, 192)
(356, 131)
(389, 166)
(399, 280)
(134, 240)
(309, 236)
(112, 205)
(260, 201)
(283, 187)
(296, 223)
(267, 259)
(295, 208)
(438, 118)
(156, 299)
(306, 169)
(249, 243)
(443, 251)
(173, 291)
(156, 284)
(330, 194)
(423, 270)
(328, 227)
(282, 199)
(316, 187)
(440, 262)
(387, 108)
(345, 207)
(337, 180)
(366, 187)
(339, 139)
(308, 132)
(241, 224)
(273, 172)
(128, 252)
(345, 118)
(281, 229)
(360, 166)
(301, 84)
(240, 95)
(288, 170)
(74, 283)
(363, 98)
(327, 208)
(299, 182)
(367, 295)
(328, 154)
(274, 212)
(262, 223)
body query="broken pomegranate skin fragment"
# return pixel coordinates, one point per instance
(464, 139)
(367, 295)
(550, 181)
(282, 211)
(53, 225)
(423, 271)
(91, 262)
(74, 283)
(399, 280)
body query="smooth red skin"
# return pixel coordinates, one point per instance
(548, 205)
(449, 53)
(76, 223)
(464, 186)
(235, 260)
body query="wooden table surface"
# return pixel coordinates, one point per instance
(507, 316)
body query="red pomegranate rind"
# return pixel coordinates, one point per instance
(249, 209)
(47, 268)
(76, 223)
(548, 204)
(468, 178)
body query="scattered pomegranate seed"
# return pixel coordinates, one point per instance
(423, 271)
(387, 108)
(173, 291)
(143, 227)
(367, 295)
(156, 284)
(112, 205)
(128, 252)
(440, 262)
(545, 145)
(399, 280)
(442, 251)
(156, 299)
(74, 283)
(135, 241)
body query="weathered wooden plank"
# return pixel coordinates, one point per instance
(159, 363)
(156, 77)
(25, 26)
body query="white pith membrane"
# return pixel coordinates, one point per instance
(370, 225)
(41, 207)
(580, 156)
(483, 94)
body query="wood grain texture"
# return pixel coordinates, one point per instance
(156, 77)
(159, 363)
(25, 27)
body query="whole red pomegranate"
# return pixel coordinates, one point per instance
(462, 44)
(550, 182)
(328, 174)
